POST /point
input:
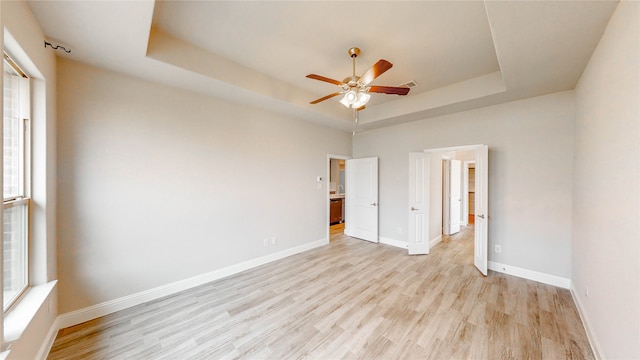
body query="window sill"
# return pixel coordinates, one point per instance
(23, 312)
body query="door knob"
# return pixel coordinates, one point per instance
(374, 204)
(481, 216)
(413, 209)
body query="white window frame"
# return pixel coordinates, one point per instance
(24, 196)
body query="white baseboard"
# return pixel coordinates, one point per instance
(393, 242)
(108, 307)
(45, 348)
(435, 241)
(530, 275)
(591, 335)
(404, 244)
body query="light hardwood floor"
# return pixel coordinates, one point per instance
(348, 300)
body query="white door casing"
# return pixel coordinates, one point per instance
(455, 195)
(465, 194)
(450, 196)
(481, 242)
(362, 198)
(445, 196)
(418, 203)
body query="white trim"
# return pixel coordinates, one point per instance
(454, 148)
(588, 328)
(446, 195)
(435, 241)
(403, 244)
(393, 242)
(24, 311)
(45, 348)
(558, 281)
(111, 306)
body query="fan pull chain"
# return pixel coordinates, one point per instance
(355, 122)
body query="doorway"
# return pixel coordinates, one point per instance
(431, 186)
(451, 195)
(468, 191)
(336, 195)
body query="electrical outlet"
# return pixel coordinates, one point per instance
(498, 249)
(265, 242)
(399, 230)
(586, 291)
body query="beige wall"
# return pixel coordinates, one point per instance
(606, 214)
(530, 174)
(159, 184)
(23, 40)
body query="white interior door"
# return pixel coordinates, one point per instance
(446, 204)
(481, 209)
(418, 203)
(362, 199)
(455, 195)
(451, 196)
(464, 215)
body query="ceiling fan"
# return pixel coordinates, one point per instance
(356, 89)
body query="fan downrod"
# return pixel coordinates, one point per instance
(352, 81)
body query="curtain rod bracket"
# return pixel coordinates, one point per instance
(56, 47)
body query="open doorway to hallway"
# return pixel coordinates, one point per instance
(457, 191)
(470, 193)
(458, 196)
(336, 195)
(426, 192)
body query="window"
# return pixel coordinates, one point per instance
(16, 182)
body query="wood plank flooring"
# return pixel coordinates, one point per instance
(347, 300)
(337, 229)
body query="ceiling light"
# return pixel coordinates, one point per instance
(355, 89)
(363, 98)
(350, 97)
(355, 100)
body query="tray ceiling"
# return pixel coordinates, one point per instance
(462, 54)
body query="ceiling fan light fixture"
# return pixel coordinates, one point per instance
(355, 99)
(350, 98)
(363, 98)
(356, 88)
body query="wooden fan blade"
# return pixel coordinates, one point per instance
(376, 70)
(361, 108)
(389, 90)
(325, 98)
(325, 79)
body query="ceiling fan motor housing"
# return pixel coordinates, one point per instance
(352, 81)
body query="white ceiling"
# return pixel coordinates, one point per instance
(462, 54)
